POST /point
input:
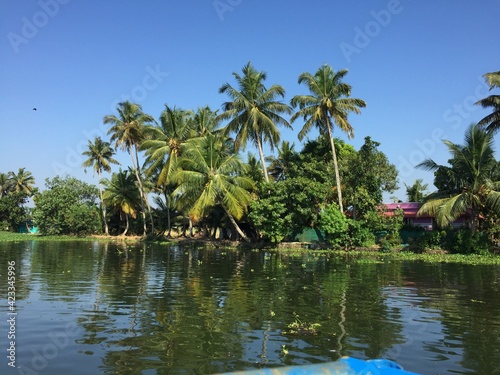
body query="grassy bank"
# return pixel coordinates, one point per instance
(18, 237)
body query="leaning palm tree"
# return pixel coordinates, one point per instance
(328, 104)
(127, 131)
(492, 121)
(163, 147)
(471, 186)
(254, 111)
(122, 195)
(210, 175)
(22, 181)
(100, 157)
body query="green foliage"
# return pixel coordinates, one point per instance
(464, 241)
(12, 212)
(367, 175)
(335, 226)
(269, 214)
(359, 234)
(68, 206)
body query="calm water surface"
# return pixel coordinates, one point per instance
(94, 308)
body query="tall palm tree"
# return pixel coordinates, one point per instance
(254, 111)
(473, 186)
(22, 181)
(122, 195)
(328, 104)
(209, 176)
(127, 131)
(163, 147)
(100, 157)
(492, 121)
(280, 165)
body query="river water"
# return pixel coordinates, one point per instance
(104, 308)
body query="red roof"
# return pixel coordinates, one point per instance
(410, 209)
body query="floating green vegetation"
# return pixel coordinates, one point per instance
(300, 328)
(20, 237)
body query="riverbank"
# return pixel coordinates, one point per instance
(363, 255)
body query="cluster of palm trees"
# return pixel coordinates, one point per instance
(192, 158)
(193, 161)
(20, 182)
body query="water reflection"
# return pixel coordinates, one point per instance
(151, 309)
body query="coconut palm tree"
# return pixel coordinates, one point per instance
(127, 131)
(328, 104)
(254, 111)
(100, 157)
(163, 147)
(205, 121)
(416, 192)
(122, 195)
(22, 181)
(280, 165)
(473, 186)
(5, 184)
(492, 121)
(210, 176)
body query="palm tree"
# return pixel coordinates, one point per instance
(22, 182)
(163, 147)
(100, 156)
(5, 184)
(280, 165)
(254, 111)
(210, 176)
(328, 104)
(205, 121)
(416, 192)
(127, 131)
(492, 121)
(473, 186)
(122, 195)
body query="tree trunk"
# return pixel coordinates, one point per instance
(138, 173)
(141, 190)
(103, 207)
(262, 159)
(126, 225)
(335, 164)
(234, 223)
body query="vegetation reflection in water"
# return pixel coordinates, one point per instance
(150, 309)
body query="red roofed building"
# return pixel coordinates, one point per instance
(410, 217)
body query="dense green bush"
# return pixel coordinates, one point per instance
(359, 234)
(68, 206)
(463, 241)
(335, 226)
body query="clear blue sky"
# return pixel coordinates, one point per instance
(417, 64)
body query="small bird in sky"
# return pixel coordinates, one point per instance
(34, 109)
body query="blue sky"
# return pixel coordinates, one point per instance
(417, 64)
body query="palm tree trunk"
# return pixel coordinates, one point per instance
(144, 193)
(234, 223)
(169, 224)
(103, 207)
(126, 225)
(335, 164)
(262, 159)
